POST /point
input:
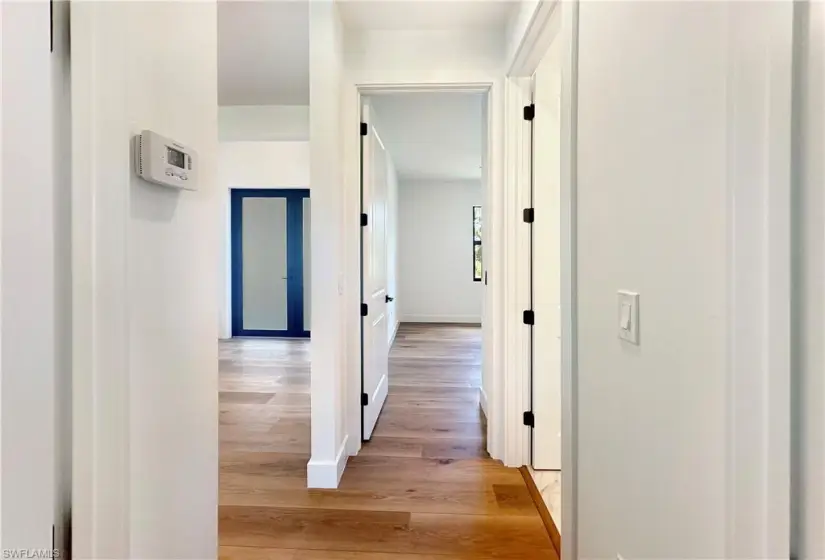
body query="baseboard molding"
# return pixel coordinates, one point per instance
(394, 332)
(327, 474)
(449, 319)
(482, 400)
(544, 513)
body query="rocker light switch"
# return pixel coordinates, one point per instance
(624, 321)
(629, 316)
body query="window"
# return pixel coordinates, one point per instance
(477, 263)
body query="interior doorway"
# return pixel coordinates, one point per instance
(423, 190)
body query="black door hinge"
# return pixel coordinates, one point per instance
(364, 220)
(529, 112)
(529, 317)
(365, 310)
(364, 129)
(365, 399)
(529, 215)
(485, 277)
(529, 419)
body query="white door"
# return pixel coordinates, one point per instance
(374, 273)
(546, 232)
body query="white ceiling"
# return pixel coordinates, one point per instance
(263, 52)
(427, 14)
(432, 136)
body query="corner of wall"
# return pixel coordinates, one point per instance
(327, 474)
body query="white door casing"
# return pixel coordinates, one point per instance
(546, 265)
(374, 273)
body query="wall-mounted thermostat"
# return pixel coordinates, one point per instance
(165, 162)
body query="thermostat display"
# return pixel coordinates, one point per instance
(175, 157)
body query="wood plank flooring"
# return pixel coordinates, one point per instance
(424, 487)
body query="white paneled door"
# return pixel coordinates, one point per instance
(374, 274)
(546, 230)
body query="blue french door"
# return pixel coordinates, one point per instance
(270, 262)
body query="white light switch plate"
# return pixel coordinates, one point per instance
(628, 319)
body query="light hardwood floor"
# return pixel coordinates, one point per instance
(422, 488)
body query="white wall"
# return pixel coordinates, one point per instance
(651, 418)
(808, 538)
(263, 123)
(682, 187)
(251, 165)
(417, 57)
(329, 384)
(146, 456)
(435, 249)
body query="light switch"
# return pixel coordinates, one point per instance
(624, 320)
(629, 316)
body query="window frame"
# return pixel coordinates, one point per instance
(477, 243)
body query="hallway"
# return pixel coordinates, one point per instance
(422, 488)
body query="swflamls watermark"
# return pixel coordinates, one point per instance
(31, 553)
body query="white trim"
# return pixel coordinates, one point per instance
(759, 289)
(516, 384)
(482, 401)
(569, 320)
(394, 333)
(100, 365)
(537, 38)
(467, 319)
(327, 474)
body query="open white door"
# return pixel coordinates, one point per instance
(546, 230)
(375, 355)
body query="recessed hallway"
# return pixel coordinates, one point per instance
(422, 488)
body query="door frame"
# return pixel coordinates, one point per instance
(353, 101)
(538, 37)
(295, 261)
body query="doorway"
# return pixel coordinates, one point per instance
(270, 238)
(423, 191)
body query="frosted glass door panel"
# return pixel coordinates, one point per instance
(264, 264)
(307, 267)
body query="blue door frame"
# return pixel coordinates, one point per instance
(294, 260)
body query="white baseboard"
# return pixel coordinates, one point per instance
(474, 319)
(327, 474)
(394, 332)
(483, 402)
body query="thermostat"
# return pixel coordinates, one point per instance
(165, 162)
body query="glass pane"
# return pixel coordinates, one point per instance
(476, 223)
(307, 267)
(477, 264)
(264, 264)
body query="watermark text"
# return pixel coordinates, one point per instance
(31, 553)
